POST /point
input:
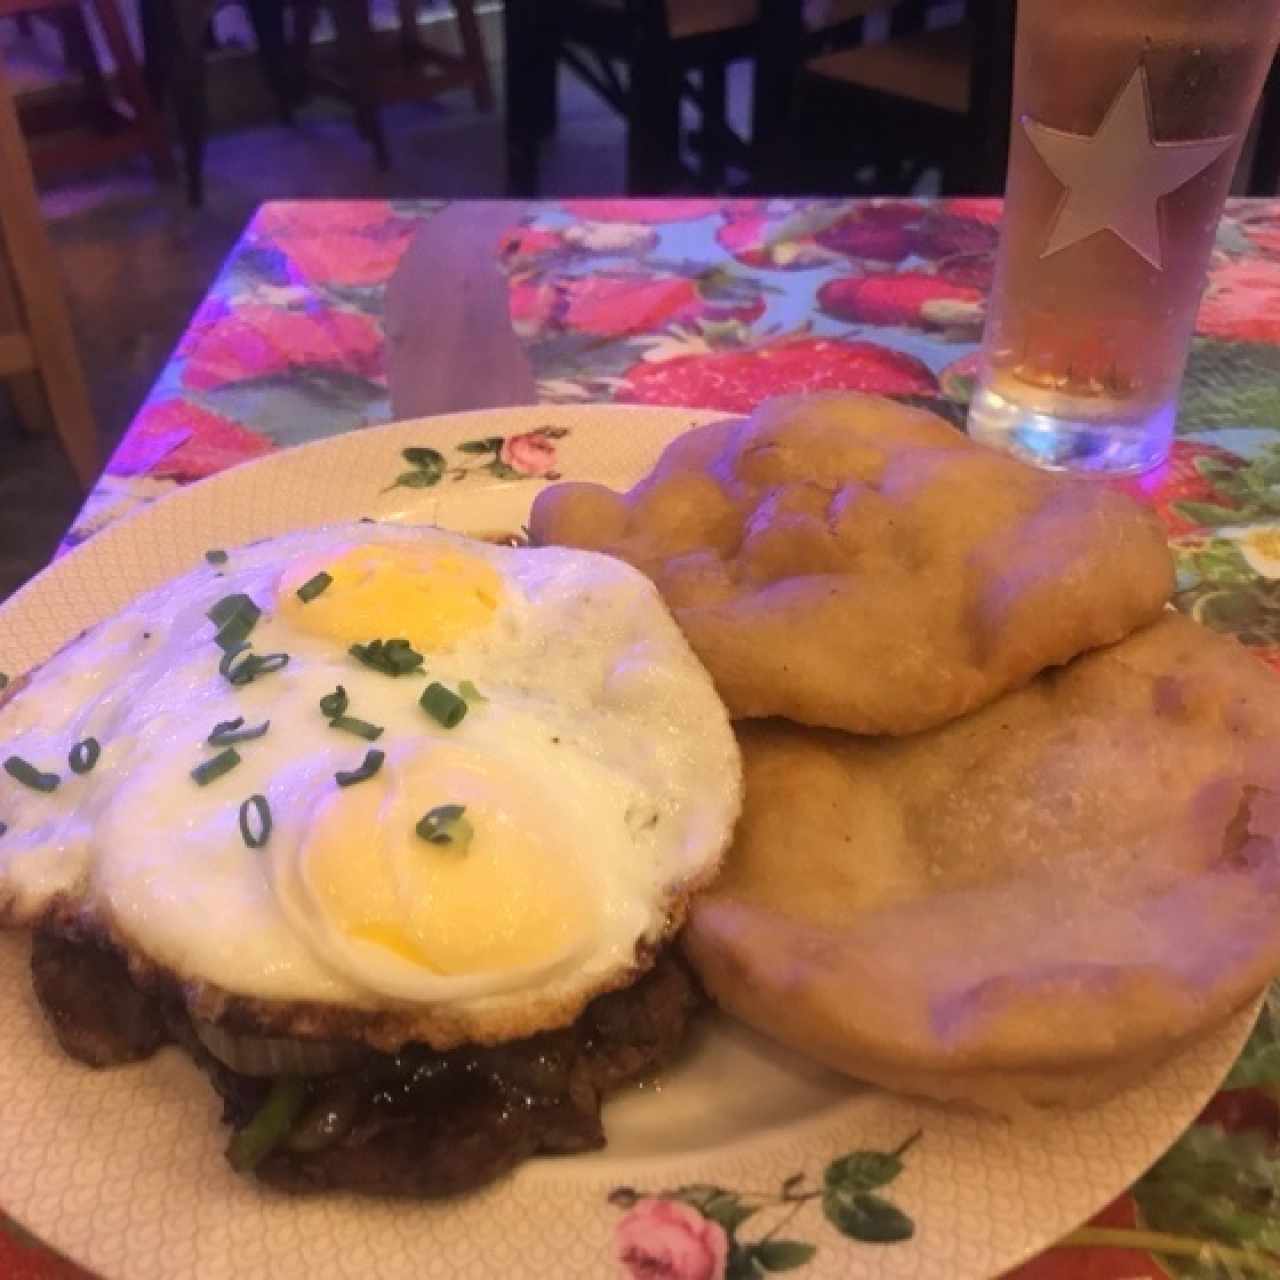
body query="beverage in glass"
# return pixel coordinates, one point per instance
(1128, 119)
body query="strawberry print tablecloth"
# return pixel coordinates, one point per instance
(718, 304)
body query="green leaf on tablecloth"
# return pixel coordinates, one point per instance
(1259, 1063)
(1219, 1186)
(1230, 384)
(727, 1210)
(1210, 514)
(865, 1216)
(782, 1255)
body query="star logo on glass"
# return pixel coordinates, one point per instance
(1115, 178)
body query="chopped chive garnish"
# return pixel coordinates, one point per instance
(213, 769)
(442, 705)
(215, 555)
(271, 1123)
(84, 755)
(225, 732)
(373, 759)
(334, 704)
(4, 680)
(240, 670)
(313, 587)
(235, 616)
(27, 774)
(361, 728)
(396, 657)
(470, 693)
(255, 821)
(446, 824)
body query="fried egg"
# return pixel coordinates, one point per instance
(375, 768)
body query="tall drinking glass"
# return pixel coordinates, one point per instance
(1128, 118)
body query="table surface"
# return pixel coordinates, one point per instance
(717, 304)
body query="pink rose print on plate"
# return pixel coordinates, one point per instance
(256, 341)
(736, 380)
(667, 1240)
(531, 454)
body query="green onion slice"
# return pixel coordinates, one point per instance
(241, 670)
(361, 728)
(225, 732)
(270, 1125)
(468, 691)
(446, 824)
(214, 768)
(442, 705)
(235, 616)
(313, 587)
(373, 759)
(396, 657)
(4, 680)
(255, 821)
(335, 703)
(215, 555)
(84, 755)
(27, 774)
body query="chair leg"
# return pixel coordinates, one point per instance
(410, 45)
(653, 125)
(714, 161)
(531, 44)
(1264, 172)
(145, 116)
(474, 53)
(304, 25)
(355, 45)
(267, 17)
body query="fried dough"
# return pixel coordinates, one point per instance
(1030, 905)
(848, 562)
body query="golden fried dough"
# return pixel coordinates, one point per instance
(1029, 905)
(846, 561)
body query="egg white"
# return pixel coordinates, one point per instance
(592, 698)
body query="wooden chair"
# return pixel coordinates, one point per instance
(38, 358)
(421, 70)
(174, 37)
(643, 57)
(104, 135)
(919, 99)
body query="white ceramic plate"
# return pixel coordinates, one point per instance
(122, 1170)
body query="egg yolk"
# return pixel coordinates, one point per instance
(431, 598)
(510, 899)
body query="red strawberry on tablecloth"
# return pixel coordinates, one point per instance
(904, 298)
(649, 211)
(337, 242)
(941, 233)
(179, 440)
(1242, 301)
(878, 233)
(986, 209)
(256, 341)
(738, 380)
(1092, 1263)
(1179, 480)
(617, 304)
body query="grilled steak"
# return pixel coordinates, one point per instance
(418, 1122)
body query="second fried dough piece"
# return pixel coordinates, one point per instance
(848, 562)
